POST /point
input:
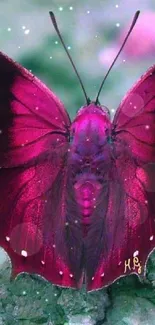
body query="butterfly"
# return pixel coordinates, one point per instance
(76, 198)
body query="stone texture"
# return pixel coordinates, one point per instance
(31, 300)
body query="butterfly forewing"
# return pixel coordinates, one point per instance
(33, 158)
(129, 219)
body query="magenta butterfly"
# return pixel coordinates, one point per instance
(77, 201)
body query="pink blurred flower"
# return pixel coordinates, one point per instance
(107, 55)
(141, 42)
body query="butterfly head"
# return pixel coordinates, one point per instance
(93, 108)
(90, 128)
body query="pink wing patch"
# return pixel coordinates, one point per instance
(126, 225)
(33, 158)
(134, 121)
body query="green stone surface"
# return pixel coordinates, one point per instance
(29, 299)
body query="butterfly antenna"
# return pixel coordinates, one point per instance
(129, 32)
(72, 63)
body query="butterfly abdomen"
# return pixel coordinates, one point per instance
(86, 192)
(87, 183)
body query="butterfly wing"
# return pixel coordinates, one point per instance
(34, 130)
(125, 229)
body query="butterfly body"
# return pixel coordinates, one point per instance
(89, 154)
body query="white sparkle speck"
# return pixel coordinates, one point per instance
(117, 24)
(50, 57)
(71, 275)
(9, 29)
(7, 238)
(54, 246)
(69, 47)
(56, 42)
(151, 238)
(26, 31)
(24, 293)
(113, 110)
(37, 292)
(23, 27)
(61, 273)
(147, 127)
(43, 262)
(117, 6)
(102, 275)
(60, 8)
(71, 8)
(46, 300)
(135, 253)
(24, 253)
(19, 47)
(88, 12)
(66, 223)
(55, 294)
(92, 278)
(124, 60)
(37, 108)
(76, 221)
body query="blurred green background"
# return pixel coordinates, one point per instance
(91, 30)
